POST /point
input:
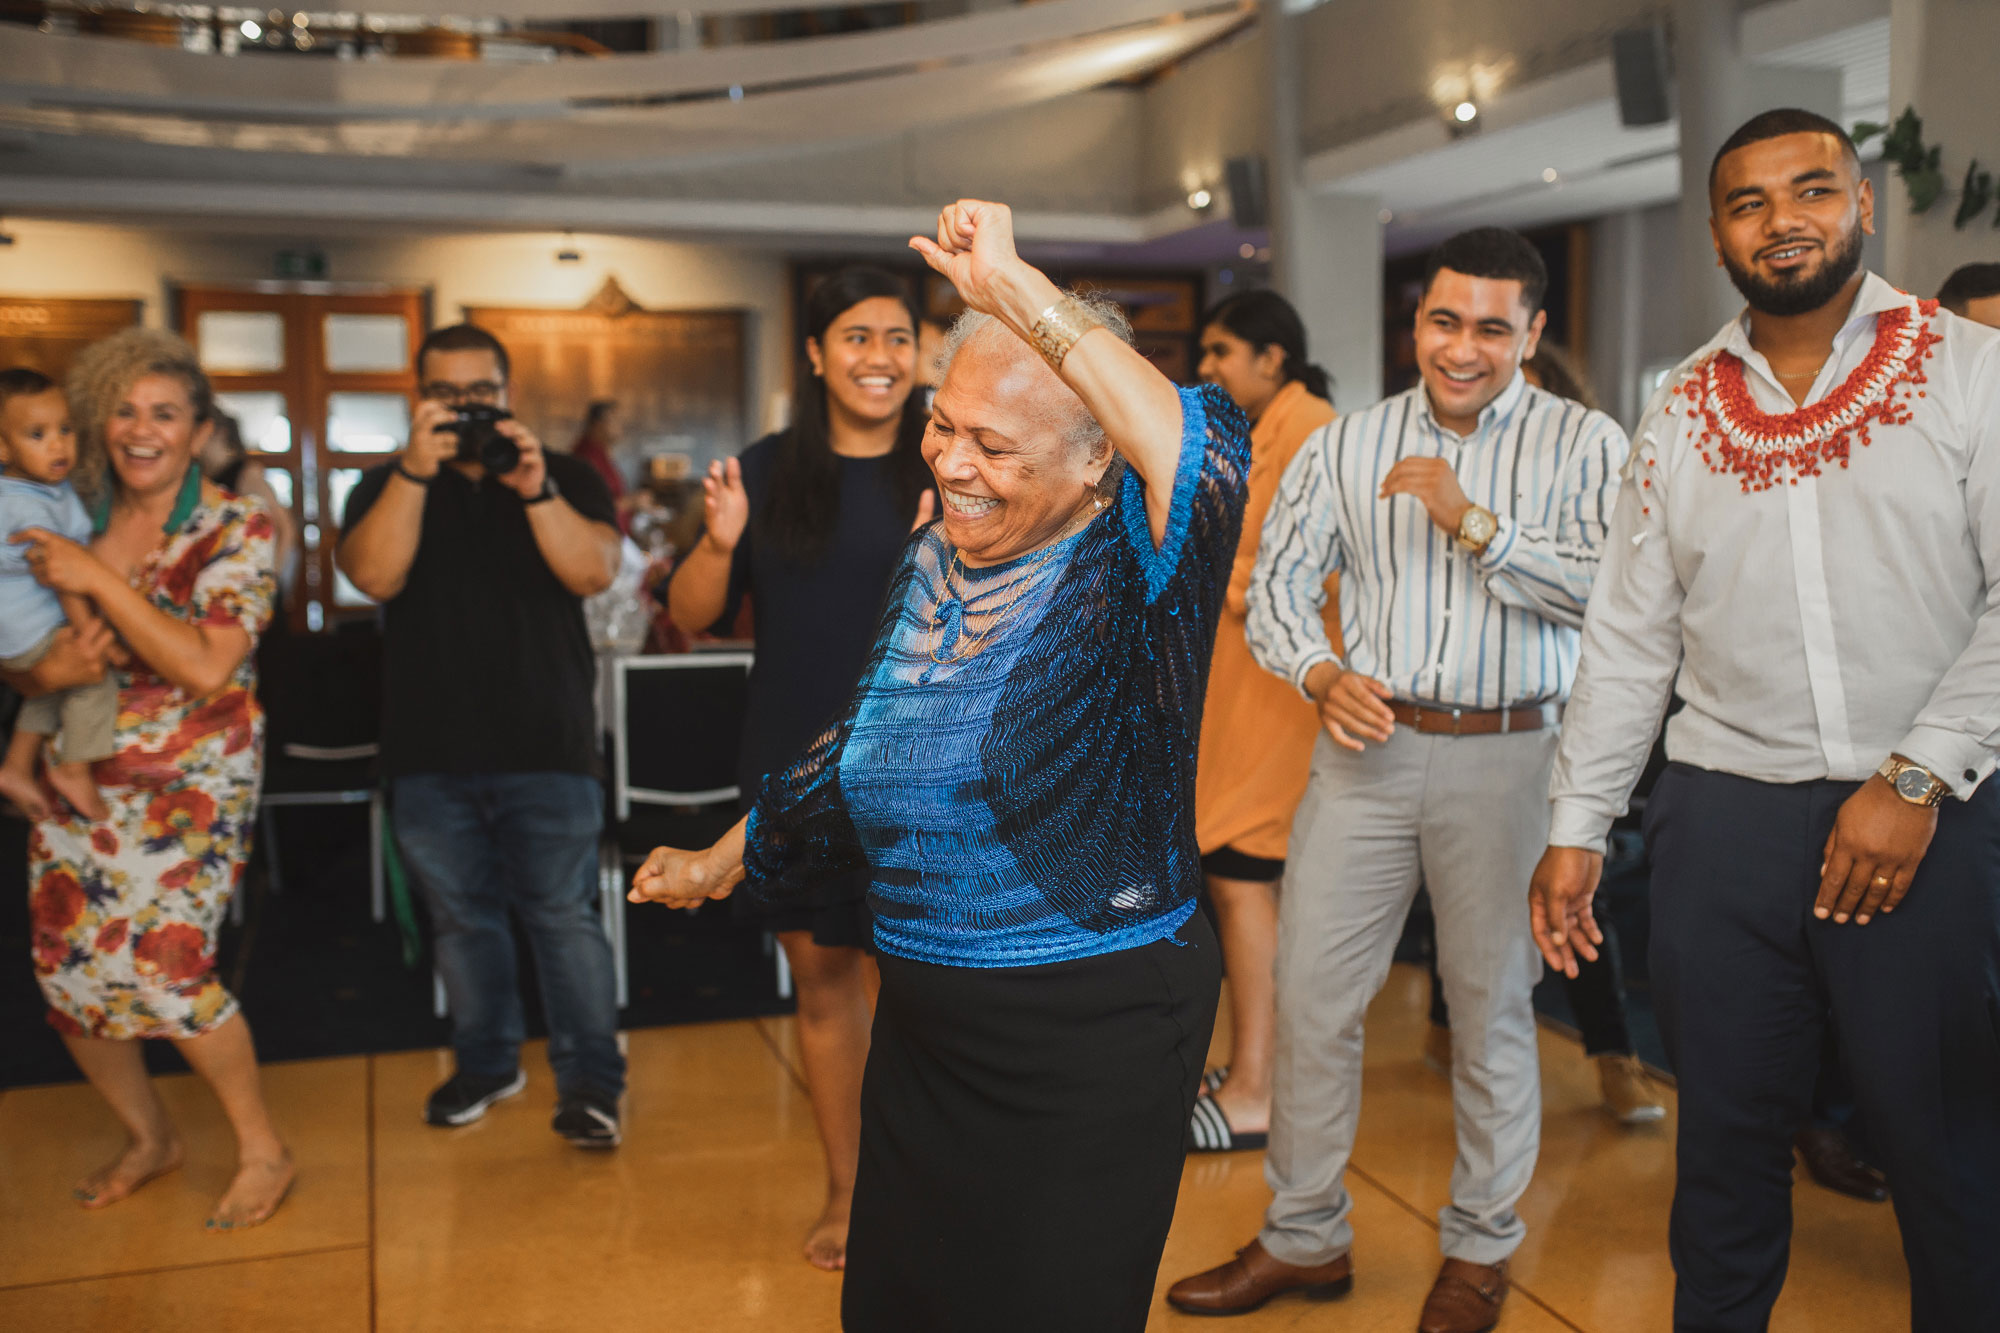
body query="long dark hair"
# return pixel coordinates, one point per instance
(805, 483)
(1266, 319)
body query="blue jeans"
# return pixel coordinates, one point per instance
(481, 843)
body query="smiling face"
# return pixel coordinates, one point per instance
(1472, 335)
(1009, 480)
(152, 435)
(1249, 375)
(1787, 215)
(36, 441)
(868, 358)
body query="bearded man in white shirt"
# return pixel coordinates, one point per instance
(1805, 552)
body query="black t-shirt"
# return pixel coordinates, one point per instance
(487, 664)
(815, 619)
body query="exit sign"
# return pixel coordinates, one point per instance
(301, 263)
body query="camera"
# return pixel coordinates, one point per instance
(479, 442)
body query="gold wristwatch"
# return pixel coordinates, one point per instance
(1913, 782)
(1476, 528)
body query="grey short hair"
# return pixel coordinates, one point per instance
(1080, 429)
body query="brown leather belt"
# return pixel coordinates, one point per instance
(1430, 720)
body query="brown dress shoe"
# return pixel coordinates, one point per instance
(1831, 1160)
(1253, 1277)
(1465, 1299)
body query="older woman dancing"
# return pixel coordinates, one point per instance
(1015, 776)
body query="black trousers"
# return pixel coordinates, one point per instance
(1023, 1131)
(1745, 979)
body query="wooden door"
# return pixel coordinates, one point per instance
(321, 383)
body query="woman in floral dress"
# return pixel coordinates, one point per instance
(125, 912)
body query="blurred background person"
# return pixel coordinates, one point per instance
(1256, 730)
(1973, 292)
(126, 911)
(808, 524)
(226, 461)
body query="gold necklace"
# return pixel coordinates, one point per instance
(953, 608)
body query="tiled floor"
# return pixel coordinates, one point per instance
(695, 1223)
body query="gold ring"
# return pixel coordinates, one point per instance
(1881, 879)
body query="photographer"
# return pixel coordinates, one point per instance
(481, 547)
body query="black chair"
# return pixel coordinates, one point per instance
(322, 697)
(676, 724)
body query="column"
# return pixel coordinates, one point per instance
(1326, 250)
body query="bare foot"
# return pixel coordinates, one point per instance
(139, 1163)
(255, 1194)
(77, 787)
(1246, 1114)
(26, 794)
(826, 1243)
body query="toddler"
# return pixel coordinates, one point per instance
(37, 453)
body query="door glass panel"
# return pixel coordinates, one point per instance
(366, 423)
(261, 418)
(339, 484)
(280, 481)
(241, 341)
(362, 343)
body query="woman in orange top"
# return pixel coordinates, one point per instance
(1257, 731)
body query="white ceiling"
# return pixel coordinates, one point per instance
(1432, 184)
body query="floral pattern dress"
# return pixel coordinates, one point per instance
(125, 913)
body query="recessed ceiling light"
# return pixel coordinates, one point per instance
(1246, 251)
(1200, 199)
(1385, 217)
(251, 32)
(1551, 175)
(1465, 113)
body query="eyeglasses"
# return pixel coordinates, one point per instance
(457, 395)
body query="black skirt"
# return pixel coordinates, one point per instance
(1023, 1131)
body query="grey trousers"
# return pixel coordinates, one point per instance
(1470, 815)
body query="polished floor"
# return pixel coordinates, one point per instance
(695, 1223)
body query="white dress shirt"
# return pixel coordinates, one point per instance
(1816, 626)
(1431, 620)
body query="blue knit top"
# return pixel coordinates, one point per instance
(1029, 798)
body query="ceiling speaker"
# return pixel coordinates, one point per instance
(1249, 192)
(1645, 89)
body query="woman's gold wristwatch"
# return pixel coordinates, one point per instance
(1913, 782)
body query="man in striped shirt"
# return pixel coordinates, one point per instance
(1465, 518)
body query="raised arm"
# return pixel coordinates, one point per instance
(1138, 407)
(698, 593)
(378, 546)
(1550, 569)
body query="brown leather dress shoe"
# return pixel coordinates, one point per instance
(1465, 1299)
(1830, 1159)
(1253, 1277)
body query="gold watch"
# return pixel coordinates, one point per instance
(1476, 528)
(1913, 782)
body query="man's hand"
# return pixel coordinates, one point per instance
(1433, 482)
(680, 879)
(1559, 906)
(532, 471)
(430, 448)
(1351, 705)
(1877, 842)
(725, 506)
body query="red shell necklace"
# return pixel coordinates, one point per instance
(1764, 448)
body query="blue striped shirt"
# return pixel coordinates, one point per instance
(1429, 619)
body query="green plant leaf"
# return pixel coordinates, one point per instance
(1974, 195)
